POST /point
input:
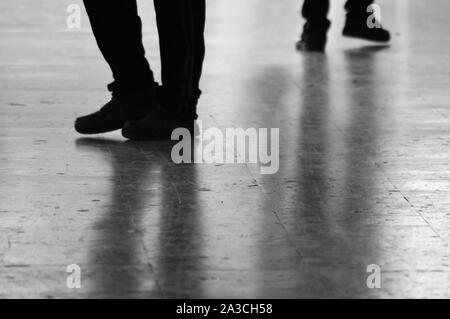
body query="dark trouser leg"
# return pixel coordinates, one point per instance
(314, 35)
(181, 25)
(315, 12)
(118, 31)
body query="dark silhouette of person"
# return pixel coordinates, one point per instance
(314, 35)
(139, 106)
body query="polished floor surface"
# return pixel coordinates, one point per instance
(364, 163)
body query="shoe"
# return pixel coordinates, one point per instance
(358, 28)
(167, 116)
(117, 112)
(158, 125)
(314, 37)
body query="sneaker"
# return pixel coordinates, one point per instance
(158, 125)
(358, 28)
(314, 37)
(117, 112)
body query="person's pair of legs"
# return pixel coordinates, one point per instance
(118, 31)
(317, 24)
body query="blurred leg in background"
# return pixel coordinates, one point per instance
(314, 35)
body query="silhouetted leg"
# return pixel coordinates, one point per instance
(314, 35)
(118, 31)
(199, 14)
(315, 11)
(181, 26)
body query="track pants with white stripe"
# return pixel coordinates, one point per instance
(118, 31)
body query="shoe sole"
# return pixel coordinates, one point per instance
(155, 137)
(361, 37)
(94, 132)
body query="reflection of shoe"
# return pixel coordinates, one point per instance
(314, 37)
(358, 28)
(116, 112)
(158, 125)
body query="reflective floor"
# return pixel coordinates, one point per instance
(364, 163)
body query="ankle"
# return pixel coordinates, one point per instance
(120, 90)
(317, 25)
(183, 109)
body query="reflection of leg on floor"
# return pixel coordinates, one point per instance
(118, 251)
